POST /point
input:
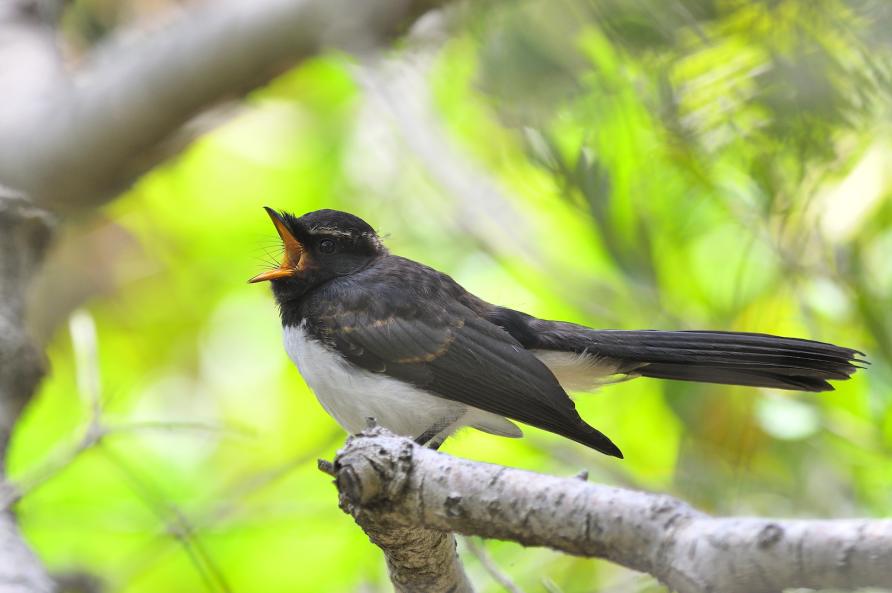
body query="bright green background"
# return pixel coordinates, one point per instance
(696, 164)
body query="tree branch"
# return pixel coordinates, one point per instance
(418, 559)
(72, 144)
(392, 486)
(24, 233)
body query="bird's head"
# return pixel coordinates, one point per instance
(319, 246)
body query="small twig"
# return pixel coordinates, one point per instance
(84, 342)
(227, 499)
(166, 425)
(326, 467)
(50, 469)
(490, 566)
(11, 492)
(82, 330)
(226, 502)
(177, 523)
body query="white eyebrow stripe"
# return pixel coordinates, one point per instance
(323, 230)
(329, 231)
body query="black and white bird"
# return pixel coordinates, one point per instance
(380, 336)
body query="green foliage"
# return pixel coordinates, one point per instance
(678, 164)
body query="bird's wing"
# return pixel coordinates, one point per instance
(444, 347)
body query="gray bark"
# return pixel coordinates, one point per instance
(419, 559)
(24, 233)
(390, 485)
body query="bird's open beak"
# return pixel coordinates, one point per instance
(291, 261)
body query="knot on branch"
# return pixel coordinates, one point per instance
(25, 233)
(374, 475)
(373, 467)
(25, 226)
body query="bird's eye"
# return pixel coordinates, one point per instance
(327, 246)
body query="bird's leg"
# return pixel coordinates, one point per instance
(435, 443)
(434, 436)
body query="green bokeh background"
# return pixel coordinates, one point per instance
(666, 165)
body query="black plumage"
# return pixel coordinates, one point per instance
(415, 324)
(733, 358)
(389, 316)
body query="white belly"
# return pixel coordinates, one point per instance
(352, 395)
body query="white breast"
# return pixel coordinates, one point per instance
(351, 395)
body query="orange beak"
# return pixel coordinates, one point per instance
(291, 262)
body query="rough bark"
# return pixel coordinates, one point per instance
(391, 485)
(24, 233)
(419, 559)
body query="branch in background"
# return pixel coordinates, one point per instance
(89, 257)
(392, 486)
(73, 144)
(399, 88)
(497, 574)
(24, 233)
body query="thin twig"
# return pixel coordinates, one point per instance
(180, 426)
(51, 468)
(490, 565)
(177, 523)
(550, 585)
(228, 499)
(230, 496)
(95, 432)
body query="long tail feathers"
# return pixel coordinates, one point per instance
(733, 358)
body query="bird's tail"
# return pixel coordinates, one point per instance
(733, 358)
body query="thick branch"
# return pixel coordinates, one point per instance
(75, 144)
(395, 484)
(418, 559)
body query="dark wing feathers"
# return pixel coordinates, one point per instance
(444, 347)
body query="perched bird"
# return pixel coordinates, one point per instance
(380, 336)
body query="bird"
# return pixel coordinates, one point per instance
(384, 338)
